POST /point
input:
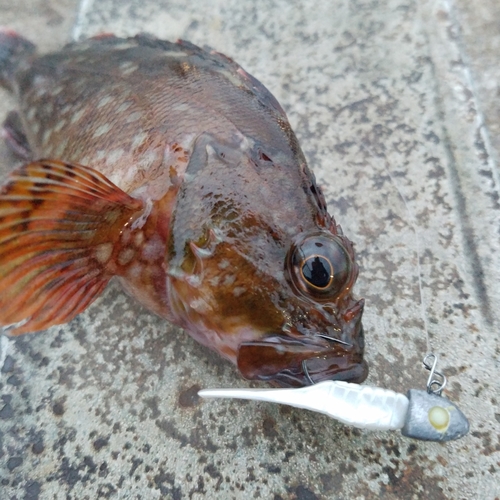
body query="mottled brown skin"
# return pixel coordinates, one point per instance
(227, 200)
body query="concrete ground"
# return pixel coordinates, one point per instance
(392, 100)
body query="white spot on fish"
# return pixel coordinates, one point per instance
(139, 239)
(126, 44)
(173, 53)
(125, 237)
(77, 116)
(229, 279)
(57, 90)
(200, 306)
(101, 130)
(114, 155)
(59, 150)
(181, 106)
(147, 159)
(30, 115)
(153, 249)
(138, 140)
(239, 290)
(133, 117)
(80, 59)
(124, 106)
(134, 271)
(214, 281)
(104, 101)
(193, 280)
(101, 154)
(40, 85)
(223, 264)
(48, 108)
(103, 252)
(66, 110)
(128, 67)
(236, 78)
(60, 125)
(46, 136)
(125, 256)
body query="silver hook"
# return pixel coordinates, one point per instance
(436, 381)
(332, 339)
(306, 372)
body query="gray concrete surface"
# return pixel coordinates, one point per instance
(479, 25)
(390, 99)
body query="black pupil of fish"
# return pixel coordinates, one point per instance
(317, 271)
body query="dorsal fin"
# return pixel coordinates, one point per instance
(13, 50)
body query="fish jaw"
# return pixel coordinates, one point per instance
(295, 359)
(287, 359)
(317, 368)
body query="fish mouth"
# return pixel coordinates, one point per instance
(348, 367)
(293, 362)
(315, 370)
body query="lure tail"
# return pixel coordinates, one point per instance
(59, 228)
(13, 49)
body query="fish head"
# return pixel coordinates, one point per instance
(321, 334)
(272, 295)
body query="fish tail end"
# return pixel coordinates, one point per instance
(59, 225)
(13, 49)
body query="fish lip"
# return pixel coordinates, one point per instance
(297, 361)
(319, 369)
(347, 366)
(356, 373)
(341, 361)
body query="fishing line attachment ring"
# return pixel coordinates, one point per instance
(437, 380)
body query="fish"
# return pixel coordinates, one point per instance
(169, 168)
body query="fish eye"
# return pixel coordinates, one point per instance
(320, 266)
(317, 270)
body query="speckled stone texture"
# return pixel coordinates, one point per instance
(384, 102)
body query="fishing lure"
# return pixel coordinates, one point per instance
(424, 415)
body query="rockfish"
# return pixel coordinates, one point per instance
(172, 169)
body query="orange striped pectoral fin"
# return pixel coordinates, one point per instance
(59, 223)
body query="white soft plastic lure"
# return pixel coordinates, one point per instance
(420, 415)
